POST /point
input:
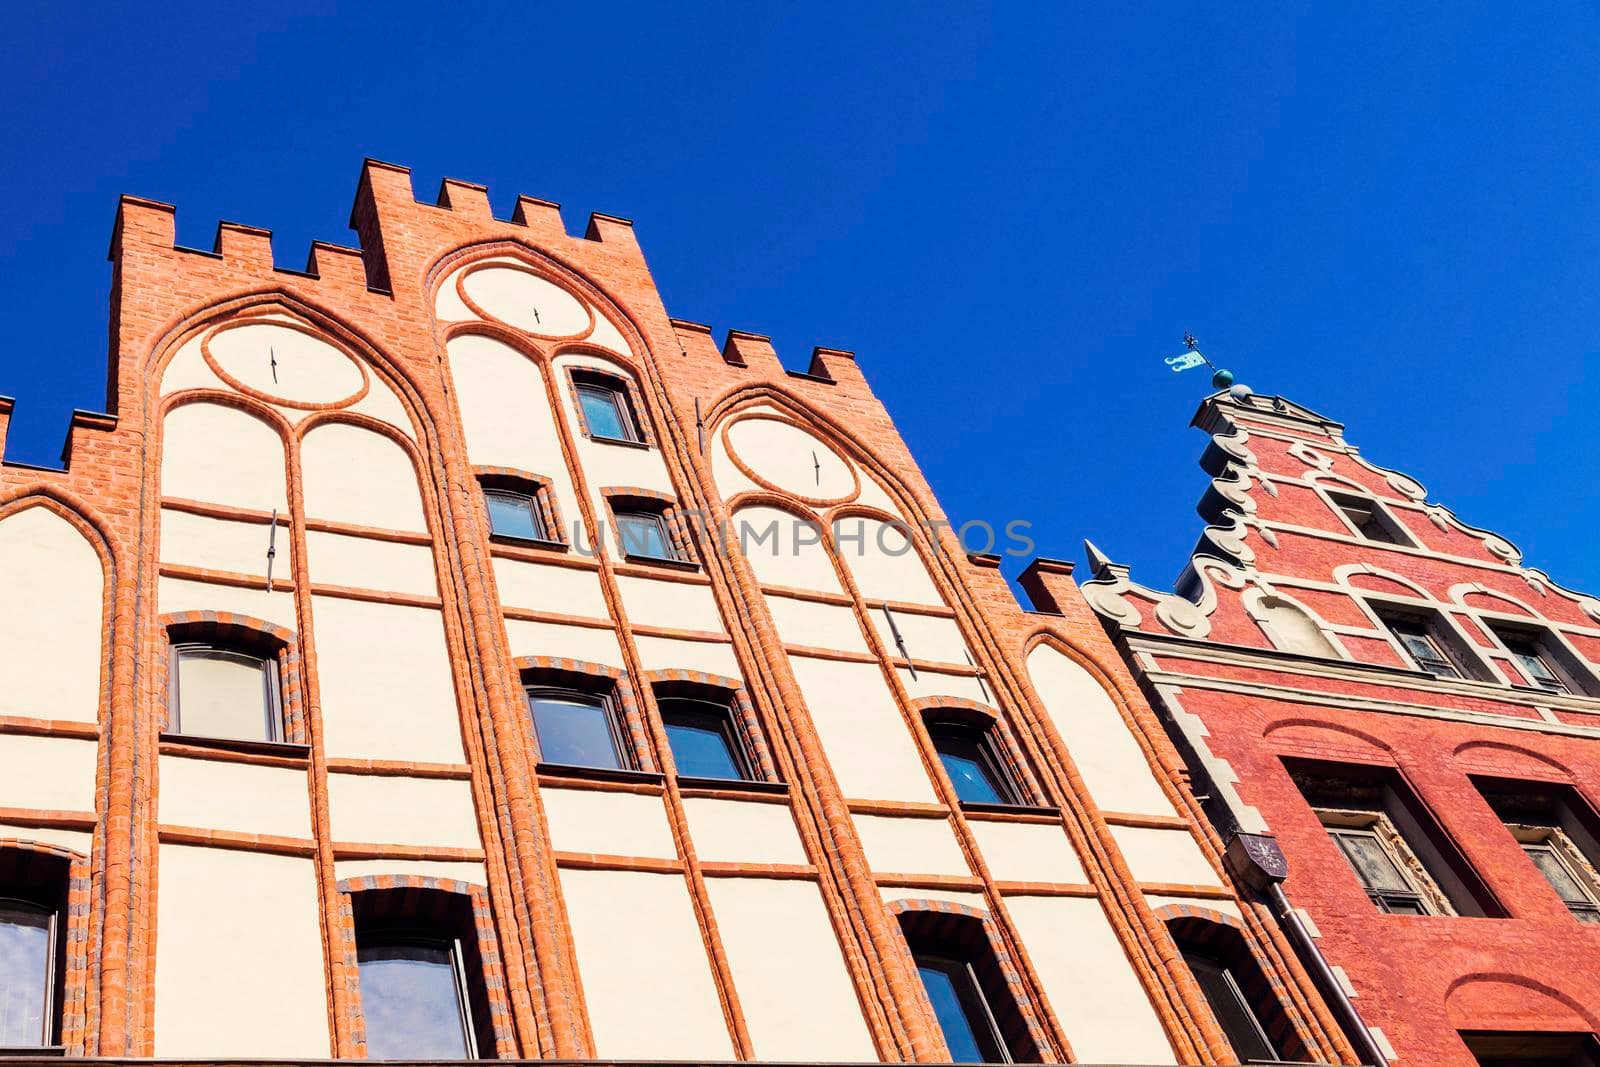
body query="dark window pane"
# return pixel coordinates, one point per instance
(644, 535)
(958, 1005)
(1424, 648)
(574, 728)
(25, 952)
(1238, 1021)
(1370, 860)
(604, 413)
(513, 515)
(1558, 874)
(701, 737)
(411, 1000)
(226, 694)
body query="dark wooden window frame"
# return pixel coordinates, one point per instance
(1452, 654)
(620, 393)
(1371, 519)
(53, 974)
(943, 725)
(609, 707)
(674, 705)
(272, 687)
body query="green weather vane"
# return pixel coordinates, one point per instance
(1191, 357)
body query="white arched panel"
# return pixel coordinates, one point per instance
(782, 548)
(883, 561)
(355, 475)
(50, 653)
(222, 455)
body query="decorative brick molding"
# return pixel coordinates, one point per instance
(261, 315)
(521, 268)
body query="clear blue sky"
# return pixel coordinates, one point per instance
(1011, 214)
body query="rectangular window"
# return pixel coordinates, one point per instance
(221, 693)
(644, 535)
(703, 739)
(577, 729)
(515, 515)
(1399, 854)
(1371, 519)
(27, 974)
(971, 758)
(1557, 830)
(1223, 992)
(1542, 1048)
(1543, 660)
(1427, 644)
(606, 412)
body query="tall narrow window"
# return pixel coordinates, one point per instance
(971, 757)
(1371, 519)
(607, 412)
(1557, 831)
(704, 741)
(1224, 992)
(423, 996)
(644, 535)
(224, 693)
(27, 973)
(972, 999)
(1399, 854)
(577, 728)
(32, 948)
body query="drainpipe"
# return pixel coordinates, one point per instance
(1258, 862)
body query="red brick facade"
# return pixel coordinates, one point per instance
(378, 307)
(1286, 655)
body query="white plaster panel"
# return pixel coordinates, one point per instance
(471, 873)
(675, 604)
(938, 684)
(180, 594)
(1110, 760)
(739, 831)
(792, 459)
(1226, 907)
(535, 587)
(873, 495)
(1088, 981)
(607, 335)
(884, 563)
(805, 622)
(285, 364)
(789, 971)
(866, 740)
(900, 845)
(526, 301)
(222, 455)
(391, 810)
(610, 824)
(387, 690)
(644, 969)
(50, 654)
(1027, 852)
(48, 773)
(263, 910)
(187, 369)
(234, 796)
(892, 893)
(223, 545)
(78, 841)
(731, 481)
(447, 305)
(352, 474)
(781, 550)
(664, 653)
(927, 637)
(1157, 855)
(365, 563)
(506, 416)
(571, 642)
(382, 404)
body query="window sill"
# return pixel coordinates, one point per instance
(528, 542)
(240, 746)
(623, 441)
(661, 561)
(973, 807)
(573, 772)
(18, 1051)
(734, 785)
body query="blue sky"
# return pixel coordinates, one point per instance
(1011, 214)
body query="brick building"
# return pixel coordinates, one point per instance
(1411, 712)
(382, 676)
